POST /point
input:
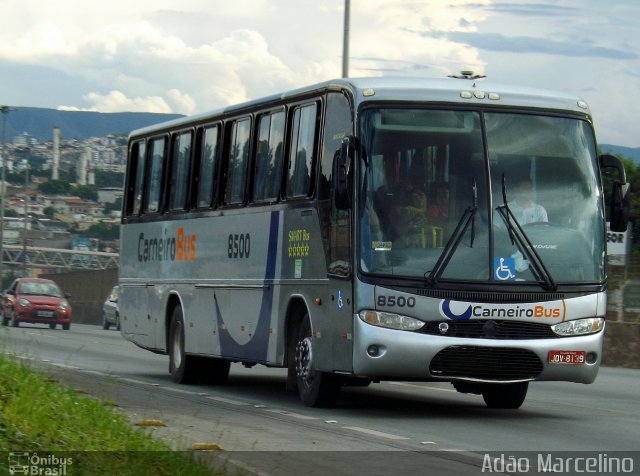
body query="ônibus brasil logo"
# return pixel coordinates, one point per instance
(464, 311)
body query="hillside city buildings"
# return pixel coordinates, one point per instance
(62, 220)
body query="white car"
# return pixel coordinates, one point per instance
(110, 314)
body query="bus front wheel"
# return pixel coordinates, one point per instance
(315, 388)
(505, 396)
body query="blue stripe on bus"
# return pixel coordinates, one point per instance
(257, 348)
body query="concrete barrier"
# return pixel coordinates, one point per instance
(88, 290)
(622, 345)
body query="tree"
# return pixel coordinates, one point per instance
(55, 187)
(109, 207)
(104, 231)
(49, 212)
(86, 192)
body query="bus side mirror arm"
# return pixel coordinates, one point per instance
(619, 206)
(342, 163)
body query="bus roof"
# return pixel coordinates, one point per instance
(472, 92)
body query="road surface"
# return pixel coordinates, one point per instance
(386, 428)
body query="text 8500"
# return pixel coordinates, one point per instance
(399, 301)
(239, 245)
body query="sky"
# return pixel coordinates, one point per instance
(193, 56)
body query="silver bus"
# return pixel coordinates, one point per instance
(363, 230)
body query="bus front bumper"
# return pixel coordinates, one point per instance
(388, 354)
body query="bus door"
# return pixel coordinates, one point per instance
(335, 322)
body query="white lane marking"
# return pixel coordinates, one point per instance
(228, 400)
(132, 380)
(41, 335)
(421, 387)
(375, 433)
(294, 415)
(179, 390)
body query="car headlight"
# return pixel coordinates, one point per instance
(24, 302)
(579, 327)
(63, 306)
(391, 320)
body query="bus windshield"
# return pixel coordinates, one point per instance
(479, 196)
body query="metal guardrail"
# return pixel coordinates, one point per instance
(58, 258)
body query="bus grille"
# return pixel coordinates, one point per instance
(488, 329)
(489, 296)
(486, 363)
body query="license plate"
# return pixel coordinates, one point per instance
(45, 313)
(574, 357)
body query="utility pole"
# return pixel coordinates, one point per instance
(25, 271)
(345, 42)
(5, 110)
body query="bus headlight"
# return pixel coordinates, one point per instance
(391, 320)
(579, 327)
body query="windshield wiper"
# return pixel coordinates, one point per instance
(467, 218)
(520, 239)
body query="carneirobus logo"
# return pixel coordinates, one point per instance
(463, 311)
(27, 463)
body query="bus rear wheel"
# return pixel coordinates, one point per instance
(182, 367)
(192, 369)
(505, 396)
(315, 388)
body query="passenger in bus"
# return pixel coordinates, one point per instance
(419, 229)
(440, 209)
(523, 206)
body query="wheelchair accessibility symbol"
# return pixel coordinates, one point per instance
(505, 269)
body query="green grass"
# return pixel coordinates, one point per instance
(40, 415)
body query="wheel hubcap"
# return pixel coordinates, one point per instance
(304, 359)
(177, 346)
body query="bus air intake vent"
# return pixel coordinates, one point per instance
(488, 329)
(486, 363)
(494, 297)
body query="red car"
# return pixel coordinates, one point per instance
(38, 301)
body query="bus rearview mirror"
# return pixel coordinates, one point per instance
(341, 175)
(619, 205)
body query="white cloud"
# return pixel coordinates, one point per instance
(116, 101)
(198, 55)
(133, 62)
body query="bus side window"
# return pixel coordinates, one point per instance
(236, 172)
(268, 166)
(208, 167)
(180, 158)
(135, 179)
(155, 175)
(301, 155)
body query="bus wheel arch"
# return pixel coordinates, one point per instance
(185, 368)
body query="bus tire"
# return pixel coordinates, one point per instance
(182, 367)
(505, 396)
(315, 388)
